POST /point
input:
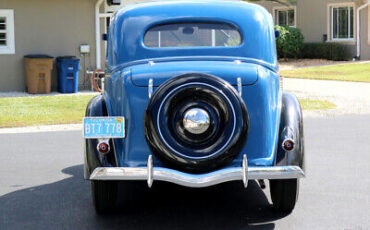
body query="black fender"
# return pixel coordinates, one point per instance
(97, 108)
(291, 126)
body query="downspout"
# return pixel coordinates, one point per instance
(358, 27)
(97, 33)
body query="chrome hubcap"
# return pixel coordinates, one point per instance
(196, 121)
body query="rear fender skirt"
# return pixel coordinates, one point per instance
(291, 127)
(97, 108)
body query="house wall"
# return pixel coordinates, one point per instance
(365, 33)
(313, 18)
(314, 26)
(125, 3)
(269, 6)
(56, 28)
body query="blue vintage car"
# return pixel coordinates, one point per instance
(193, 97)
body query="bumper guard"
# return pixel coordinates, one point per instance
(151, 173)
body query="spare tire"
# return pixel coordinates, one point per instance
(196, 123)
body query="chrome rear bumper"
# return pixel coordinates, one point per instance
(151, 173)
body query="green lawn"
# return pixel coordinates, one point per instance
(67, 109)
(308, 104)
(44, 110)
(346, 72)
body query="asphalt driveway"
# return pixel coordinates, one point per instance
(42, 187)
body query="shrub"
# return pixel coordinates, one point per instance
(330, 51)
(290, 42)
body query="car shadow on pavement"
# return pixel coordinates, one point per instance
(66, 204)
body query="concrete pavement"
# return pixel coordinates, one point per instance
(350, 97)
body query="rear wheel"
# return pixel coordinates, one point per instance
(104, 195)
(284, 194)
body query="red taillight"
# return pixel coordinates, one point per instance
(103, 147)
(288, 145)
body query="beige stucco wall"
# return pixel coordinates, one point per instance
(313, 18)
(365, 33)
(54, 27)
(269, 5)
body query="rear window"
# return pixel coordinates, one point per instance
(192, 35)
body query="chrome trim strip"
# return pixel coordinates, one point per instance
(197, 180)
(245, 171)
(239, 80)
(150, 87)
(150, 171)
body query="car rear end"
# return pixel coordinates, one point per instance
(195, 112)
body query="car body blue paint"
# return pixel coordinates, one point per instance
(129, 70)
(163, 71)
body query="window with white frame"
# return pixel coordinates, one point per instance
(285, 17)
(342, 23)
(7, 32)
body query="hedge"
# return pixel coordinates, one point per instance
(328, 50)
(290, 42)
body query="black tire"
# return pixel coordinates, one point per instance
(284, 194)
(104, 195)
(196, 153)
